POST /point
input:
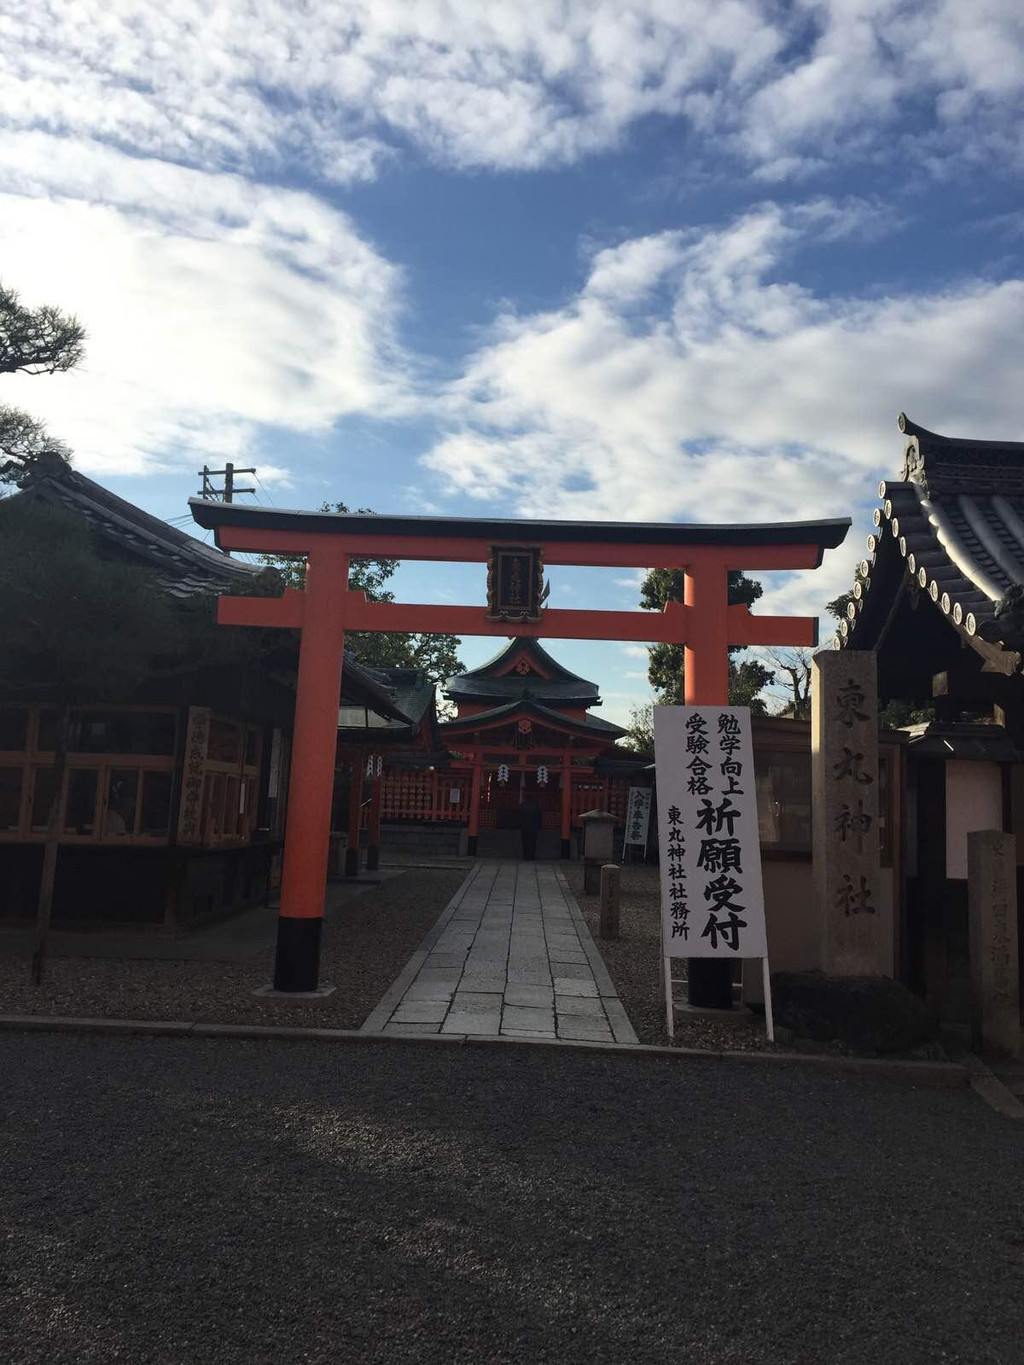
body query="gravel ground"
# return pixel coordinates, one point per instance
(634, 965)
(176, 1202)
(367, 941)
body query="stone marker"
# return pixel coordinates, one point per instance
(598, 846)
(610, 900)
(856, 934)
(992, 912)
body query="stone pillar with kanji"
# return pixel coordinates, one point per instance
(992, 918)
(855, 917)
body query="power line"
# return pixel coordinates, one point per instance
(264, 487)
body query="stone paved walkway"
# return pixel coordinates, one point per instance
(510, 955)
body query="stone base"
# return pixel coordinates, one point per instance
(867, 1014)
(739, 1014)
(268, 992)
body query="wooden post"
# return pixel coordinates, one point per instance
(566, 826)
(54, 819)
(355, 817)
(610, 900)
(311, 783)
(474, 809)
(373, 830)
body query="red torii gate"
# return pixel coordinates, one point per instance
(703, 623)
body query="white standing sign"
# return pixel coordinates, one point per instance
(712, 898)
(638, 817)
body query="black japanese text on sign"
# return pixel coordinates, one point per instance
(711, 889)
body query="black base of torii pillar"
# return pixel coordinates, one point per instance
(710, 983)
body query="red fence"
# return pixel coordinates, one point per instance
(415, 794)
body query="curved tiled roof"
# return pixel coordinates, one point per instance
(592, 725)
(184, 564)
(953, 526)
(559, 686)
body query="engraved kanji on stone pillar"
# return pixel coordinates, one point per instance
(855, 917)
(992, 911)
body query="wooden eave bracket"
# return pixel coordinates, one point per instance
(283, 612)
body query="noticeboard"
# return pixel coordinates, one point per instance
(711, 891)
(712, 895)
(638, 817)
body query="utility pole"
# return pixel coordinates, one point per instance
(227, 493)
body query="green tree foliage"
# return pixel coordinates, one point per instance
(665, 669)
(33, 341)
(638, 741)
(437, 655)
(837, 607)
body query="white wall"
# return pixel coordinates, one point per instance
(974, 800)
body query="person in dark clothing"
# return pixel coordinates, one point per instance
(531, 819)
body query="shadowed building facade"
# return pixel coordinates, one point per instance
(938, 599)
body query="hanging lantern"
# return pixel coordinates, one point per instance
(503, 774)
(542, 775)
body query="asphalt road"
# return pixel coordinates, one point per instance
(202, 1201)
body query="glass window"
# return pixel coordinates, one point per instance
(42, 794)
(112, 732)
(10, 798)
(47, 731)
(80, 807)
(122, 791)
(156, 804)
(225, 742)
(783, 781)
(13, 728)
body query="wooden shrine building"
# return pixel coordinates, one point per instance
(939, 599)
(524, 727)
(174, 800)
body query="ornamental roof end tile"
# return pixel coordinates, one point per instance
(953, 527)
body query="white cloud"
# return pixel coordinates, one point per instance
(214, 308)
(337, 87)
(733, 393)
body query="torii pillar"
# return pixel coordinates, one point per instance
(706, 683)
(314, 746)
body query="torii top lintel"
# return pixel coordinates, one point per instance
(757, 545)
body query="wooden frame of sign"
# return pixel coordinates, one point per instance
(712, 895)
(515, 582)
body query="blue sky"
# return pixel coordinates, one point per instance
(649, 261)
